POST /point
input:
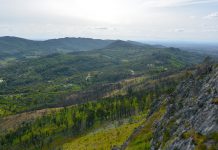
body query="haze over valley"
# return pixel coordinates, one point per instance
(108, 75)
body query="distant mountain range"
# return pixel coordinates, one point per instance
(208, 48)
(19, 47)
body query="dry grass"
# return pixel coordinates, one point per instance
(14, 121)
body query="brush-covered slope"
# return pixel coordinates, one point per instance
(52, 128)
(175, 104)
(190, 121)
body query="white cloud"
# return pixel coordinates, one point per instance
(210, 30)
(173, 3)
(179, 30)
(126, 19)
(212, 15)
(101, 28)
(192, 17)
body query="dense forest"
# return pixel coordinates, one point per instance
(29, 84)
(70, 121)
(111, 95)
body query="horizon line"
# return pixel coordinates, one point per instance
(140, 40)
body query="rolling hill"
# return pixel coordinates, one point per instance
(20, 48)
(46, 81)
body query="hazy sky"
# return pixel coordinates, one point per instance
(112, 19)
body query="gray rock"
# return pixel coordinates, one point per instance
(190, 108)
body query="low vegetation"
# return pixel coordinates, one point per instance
(107, 137)
(110, 97)
(142, 140)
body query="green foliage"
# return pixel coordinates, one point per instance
(41, 82)
(104, 137)
(36, 83)
(143, 139)
(74, 120)
(20, 48)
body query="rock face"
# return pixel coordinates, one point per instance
(191, 120)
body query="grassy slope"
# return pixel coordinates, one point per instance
(143, 139)
(105, 137)
(113, 135)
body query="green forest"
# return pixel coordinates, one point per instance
(111, 95)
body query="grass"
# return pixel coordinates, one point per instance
(14, 121)
(106, 137)
(4, 112)
(142, 140)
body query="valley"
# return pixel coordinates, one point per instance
(105, 94)
(108, 75)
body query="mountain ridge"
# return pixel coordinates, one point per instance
(190, 119)
(20, 47)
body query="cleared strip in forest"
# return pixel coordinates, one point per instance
(14, 121)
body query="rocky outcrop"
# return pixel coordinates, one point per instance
(191, 120)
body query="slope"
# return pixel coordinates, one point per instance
(60, 75)
(53, 126)
(190, 121)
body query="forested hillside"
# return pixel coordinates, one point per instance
(153, 99)
(125, 95)
(74, 120)
(14, 47)
(47, 81)
(108, 75)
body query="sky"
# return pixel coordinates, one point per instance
(185, 20)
